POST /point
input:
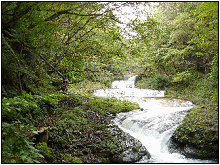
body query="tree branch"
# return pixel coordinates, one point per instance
(68, 40)
(72, 13)
(17, 16)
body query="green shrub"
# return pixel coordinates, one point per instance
(45, 151)
(67, 158)
(19, 114)
(16, 148)
(74, 119)
(157, 81)
(29, 108)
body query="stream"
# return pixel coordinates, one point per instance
(153, 124)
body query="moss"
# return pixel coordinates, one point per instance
(45, 151)
(112, 105)
(67, 158)
(200, 129)
(105, 160)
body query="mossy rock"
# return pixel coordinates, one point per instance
(199, 130)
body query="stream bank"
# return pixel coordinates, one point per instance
(84, 133)
(62, 128)
(197, 136)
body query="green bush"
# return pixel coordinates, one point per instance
(19, 114)
(67, 158)
(16, 148)
(74, 119)
(45, 151)
(29, 108)
(157, 81)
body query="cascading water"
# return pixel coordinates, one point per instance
(154, 124)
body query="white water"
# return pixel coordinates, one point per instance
(155, 123)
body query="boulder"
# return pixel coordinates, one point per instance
(133, 148)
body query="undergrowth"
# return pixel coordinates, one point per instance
(19, 116)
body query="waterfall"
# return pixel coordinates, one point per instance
(155, 123)
(126, 88)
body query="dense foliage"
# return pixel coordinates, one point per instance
(77, 38)
(182, 44)
(19, 116)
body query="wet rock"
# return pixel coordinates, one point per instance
(189, 151)
(133, 148)
(111, 115)
(98, 132)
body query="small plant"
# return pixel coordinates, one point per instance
(29, 108)
(135, 149)
(159, 81)
(19, 114)
(67, 158)
(45, 151)
(105, 160)
(16, 148)
(74, 119)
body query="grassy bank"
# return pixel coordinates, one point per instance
(76, 127)
(200, 127)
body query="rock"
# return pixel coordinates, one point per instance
(98, 132)
(40, 134)
(189, 150)
(133, 148)
(44, 137)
